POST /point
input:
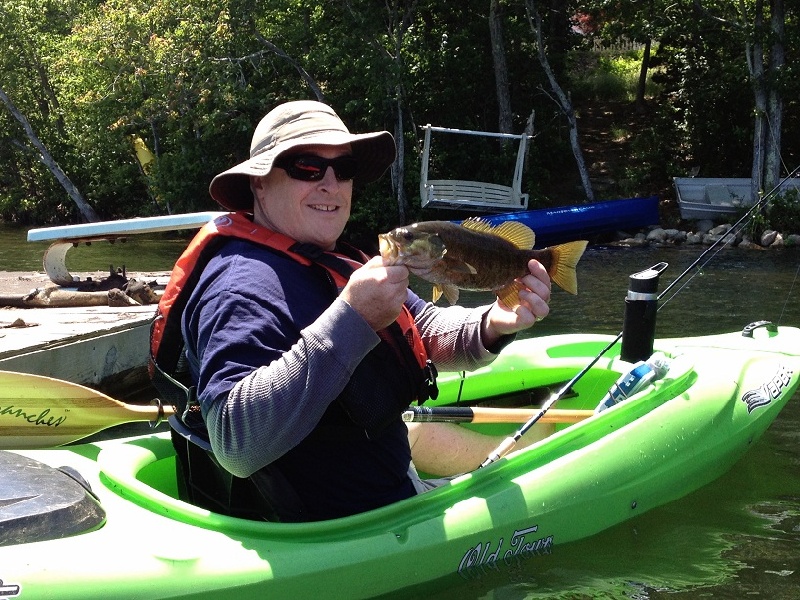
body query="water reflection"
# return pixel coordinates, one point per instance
(734, 288)
(730, 289)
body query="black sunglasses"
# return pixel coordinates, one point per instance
(310, 167)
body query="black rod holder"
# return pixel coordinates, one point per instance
(641, 305)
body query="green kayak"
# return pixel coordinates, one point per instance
(132, 537)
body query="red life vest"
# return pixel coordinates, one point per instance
(166, 340)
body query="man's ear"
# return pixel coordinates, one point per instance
(256, 183)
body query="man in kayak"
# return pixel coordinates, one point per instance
(304, 352)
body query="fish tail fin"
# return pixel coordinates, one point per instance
(565, 258)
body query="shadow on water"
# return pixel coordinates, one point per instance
(733, 289)
(137, 253)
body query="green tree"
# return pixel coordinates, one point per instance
(35, 144)
(761, 30)
(153, 70)
(189, 80)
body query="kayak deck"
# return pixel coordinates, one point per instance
(675, 436)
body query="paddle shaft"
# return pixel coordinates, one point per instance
(467, 414)
(42, 412)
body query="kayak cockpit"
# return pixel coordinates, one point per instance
(530, 370)
(39, 502)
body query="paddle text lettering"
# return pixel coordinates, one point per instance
(43, 418)
(486, 556)
(769, 391)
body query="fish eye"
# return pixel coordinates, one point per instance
(408, 235)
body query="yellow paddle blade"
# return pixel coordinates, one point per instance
(42, 412)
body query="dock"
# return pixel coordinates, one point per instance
(103, 347)
(87, 328)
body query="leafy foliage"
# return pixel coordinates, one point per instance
(784, 211)
(191, 78)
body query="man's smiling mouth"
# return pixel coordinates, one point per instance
(324, 207)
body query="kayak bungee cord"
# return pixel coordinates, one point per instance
(508, 443)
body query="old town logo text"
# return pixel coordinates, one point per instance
(9, 590)
(522, 544)
(769, 391)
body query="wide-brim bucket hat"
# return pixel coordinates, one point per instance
(293, 124)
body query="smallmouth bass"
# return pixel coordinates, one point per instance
(478, 256)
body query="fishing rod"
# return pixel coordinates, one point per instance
(508, 443)
(762, 203)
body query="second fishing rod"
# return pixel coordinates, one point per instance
(641, 306)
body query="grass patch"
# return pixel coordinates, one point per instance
(607, 76)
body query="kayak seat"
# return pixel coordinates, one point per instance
(264, 496)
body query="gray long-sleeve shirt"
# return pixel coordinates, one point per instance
(269, 357)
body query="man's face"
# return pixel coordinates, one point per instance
(308, 211)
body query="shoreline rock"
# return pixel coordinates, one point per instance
(706, 233)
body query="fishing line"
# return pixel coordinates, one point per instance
(461, 387)
(508, 443)
(728, 236)
(789, 295)
(726, 239)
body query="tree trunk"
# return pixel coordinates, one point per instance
(641, 106)
(755, 60)
(500, 68)
(563, 101)
(310, 81)
(759, 136)
(87, 212)
(398, 166)
(772, 153)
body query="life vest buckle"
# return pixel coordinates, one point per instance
(430, 390)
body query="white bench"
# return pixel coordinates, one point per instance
(473, 195)
(70, 236)
(454, 193)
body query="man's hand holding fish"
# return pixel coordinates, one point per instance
(377, 292)
(478, 256)
(534, 298)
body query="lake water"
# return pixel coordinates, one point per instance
(156, 252)
(736, 538)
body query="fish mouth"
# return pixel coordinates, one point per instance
(399, 247)
(389, 250)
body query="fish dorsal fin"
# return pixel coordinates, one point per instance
(515, 232)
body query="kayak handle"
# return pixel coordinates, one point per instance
(768, 325)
